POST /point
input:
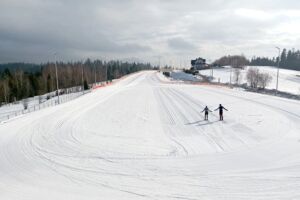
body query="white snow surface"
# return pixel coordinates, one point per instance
(289, 80)
(17, 108)
(143, 138)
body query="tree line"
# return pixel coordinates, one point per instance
(27, 67)
(289, 59)
(254, 77)
(17, 83)
(236, 61)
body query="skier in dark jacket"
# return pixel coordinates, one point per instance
(220, 108)
(206, 110)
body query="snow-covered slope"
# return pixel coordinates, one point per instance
(146, 139)
(34, 103)
(289, 80)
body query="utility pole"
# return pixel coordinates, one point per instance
(180, 63)
(5, 94)
(277, 69)
(82, 77)
(212, 69)
(159, 57)
(230, 74)
(106, 72)
(57, 89)
(105, 63)
(95, 73)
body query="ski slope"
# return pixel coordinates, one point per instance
(144, 138)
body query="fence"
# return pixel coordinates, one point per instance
(32, 104)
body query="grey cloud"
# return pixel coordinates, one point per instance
(179, 44)
(29, 29)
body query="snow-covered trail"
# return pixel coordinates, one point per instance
(146, 139)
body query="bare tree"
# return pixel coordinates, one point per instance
(236, 61)
(239, 61)
(264, 79)
(237, 75)
(6, 90)
(256, 79)
(252, 77)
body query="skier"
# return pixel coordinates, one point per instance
(206, 110)
(220, 108)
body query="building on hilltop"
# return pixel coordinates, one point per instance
(198, 64)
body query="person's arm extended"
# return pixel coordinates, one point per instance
(209, 110)
(225, 109)
(216, 109)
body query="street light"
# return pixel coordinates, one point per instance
(230, 74)
(103, 63)
(212, 68)
(82, 79)
(56, 77)
(277, 69)
(95, 73)
(106, 73)
(159, 59)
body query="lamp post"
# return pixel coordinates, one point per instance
(230, 78)
(104, 63)
(82, 79)
(95, 73)
(212, 69)
(106, 72)
(277, 69)
(57, 89)
(159, 58)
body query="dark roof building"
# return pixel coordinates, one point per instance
(199, 63)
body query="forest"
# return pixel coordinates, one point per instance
(21, 80)
(289, 59)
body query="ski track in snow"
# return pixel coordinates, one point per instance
(143, 138)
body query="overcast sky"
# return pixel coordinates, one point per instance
(172, 31)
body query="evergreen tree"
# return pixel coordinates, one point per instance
(288, 60)
(17, 84)
(85, 85)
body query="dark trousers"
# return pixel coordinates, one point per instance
(221, 116)
(206, 116)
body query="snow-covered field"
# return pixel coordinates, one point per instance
(289, 80)
(146, 139)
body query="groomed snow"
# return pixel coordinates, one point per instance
(143, 138)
